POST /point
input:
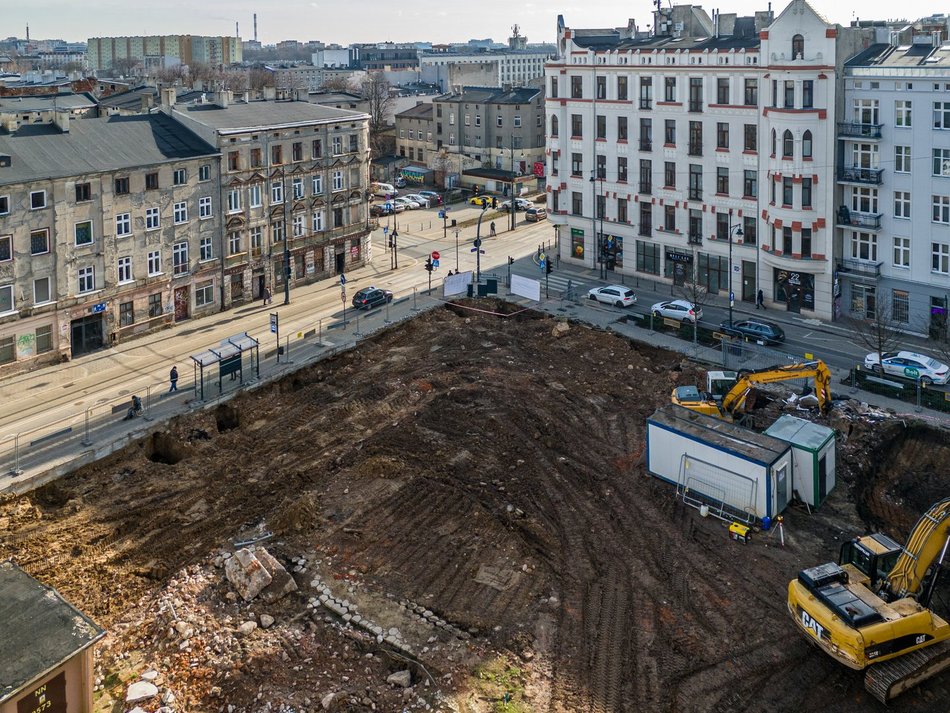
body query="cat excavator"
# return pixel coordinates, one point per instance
(873, 611)
(733, 400)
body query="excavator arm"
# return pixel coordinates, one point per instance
(734, 401)
(926, 546)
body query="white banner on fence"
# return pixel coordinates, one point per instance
(526, 287)
(457, 284)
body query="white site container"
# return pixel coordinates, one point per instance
(813, 456)
(746, 475)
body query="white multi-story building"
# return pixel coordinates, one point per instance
(704, 149)
(894, 213)
(514, 67)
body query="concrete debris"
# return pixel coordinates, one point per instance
(266, 621)
(281, 582)
(247, 574)
(140, 691)
(400, 678)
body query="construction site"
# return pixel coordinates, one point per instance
(463, 507)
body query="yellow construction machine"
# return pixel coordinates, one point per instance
(733, 401)
(874, 608)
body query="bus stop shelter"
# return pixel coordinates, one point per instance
(229, 357)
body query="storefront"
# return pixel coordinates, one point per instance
(794, 289)
(577, 243)
(613, 251)
(713, 272)
(678, 265)
(86, 333)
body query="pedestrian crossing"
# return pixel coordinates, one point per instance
(558, 284)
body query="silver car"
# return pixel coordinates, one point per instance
(677, 309)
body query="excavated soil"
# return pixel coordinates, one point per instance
(490, 469)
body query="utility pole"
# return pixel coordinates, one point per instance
(514, 210)
(286, 197)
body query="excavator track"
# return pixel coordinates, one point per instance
(885, 681)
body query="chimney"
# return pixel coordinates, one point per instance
(168, 96)
(247, 96)
(270, 93)
(61, 120)
(222, 98)
(148, 101)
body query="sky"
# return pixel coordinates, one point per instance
(347, 21)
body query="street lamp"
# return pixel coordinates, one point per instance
(738, 232)
(514, 210)
(456, 249)
(596, 175)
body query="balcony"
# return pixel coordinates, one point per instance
(847, 218)
(864, 268)
(848, 130)
(646, 145)
(864, 176)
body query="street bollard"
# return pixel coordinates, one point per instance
(85, 440)
(287, 359)
(414, 308)
(386, 319)
(148, 403)
(16, 456)
(919, 387)
(357, 333)
(320, 333)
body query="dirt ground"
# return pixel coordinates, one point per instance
(486, 472)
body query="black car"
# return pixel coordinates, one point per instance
(757, 330)
(378, 209)
(370, 297)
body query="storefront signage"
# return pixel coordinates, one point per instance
(674, 256)
(96, 309)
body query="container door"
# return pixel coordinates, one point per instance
(822, 479)
(781, 489)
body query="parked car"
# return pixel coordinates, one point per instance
(400, 182)
(533, 215)
(616, 295)
(378, 209)
(434, 198)
(480, 200)
(384, 190)
(418, 198)
(677, 309)
(406, 203)
(370, 297)
(755, 329)
(903, 364)
(520, 204)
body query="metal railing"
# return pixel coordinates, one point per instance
(856, 174)
(859, 131)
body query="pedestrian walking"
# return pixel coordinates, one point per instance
(265, 295)
(173, 378)
(494, 202)
(760, 300)
(491, 229)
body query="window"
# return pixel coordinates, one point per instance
(577, 164)
(277, 192)
(296, 151)
(669, 218)
(864, 246)
(152, 219)
(204, 207)
(789, 95)
(124, 271)
(577, 84)
(900, 306)
(317, 185)
(6, 305)
(942, 115)
(277, 231)
(749, 230)
(316, 148)
(601, 166)
(338, 180)
(151, 181)
(722, 135)
(722, 180)
(669, 89)
(4, 205)
(600, 209)
(648, 257)
(941, 162)
(621, 169)
(6, 248)
(256, 159)
(317, 221)
(940, 258)
(750, 137)
(257, 242)
(669, 174)
(902, 159)
(787, 191)
(806, 192)
(577, 125)
(798, 47)
(601, 87)
(694, 228)
(234, 243)
(254, 195)
(806, 242)
(41, 291)
(83, 233)
(126, 314)
(901, 252)
(277, 155)
(297, 185)
(154, 263)
(722, 90)
(750, 184)
(646, 176)
(234, 161)
(180, 258)
(695, 147)
(554, 87)
(577, 203)
(773, 142)
(695, 182)
(669, 132)
(181, 213)
(808, 94)
(621, 128)
(774, 92)
(646, 92)
(941, 209)
(751, 92)
(297, 225)
(646, 218)
(204, 293)
(646, 134)
(517, 122)
(864, 200)
(37, 200)
(806, 145)
(121, 186)
(621, 88)
(788, 144)
(337, 217)
(553, 125)
(601, 126)
(87, 279)
(695, 94)
(39, 242)
(902, 109)
(205, 249)
(204, 172)
(786, 241)
(902, 204)
(83, 192)
(155, 305)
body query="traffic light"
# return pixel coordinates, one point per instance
(429, 264)
(511, 260)
(548, 267)
(475, 189)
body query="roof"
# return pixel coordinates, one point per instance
(422, 110)
(496, 174)
(919, 54)
(41, 151)
(38, 630)
(133, 99)
(491, 95)
(258, 114)
(22, 105)
(727, 436)
(800, 432)
(666, 42)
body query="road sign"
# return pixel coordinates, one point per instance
(385, 229)
(477, 242)
(476, 250)
(342, 279)
(435, 255)
(911, 373)
(732, 299)
(343, 295)
(273, 323)
(435, 263)
(96, 309)
(442, 215)
(542, 263)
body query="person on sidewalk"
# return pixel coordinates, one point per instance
(135, 409)
(265, 295)
(760, 300)
(173, 378)
(491, 230)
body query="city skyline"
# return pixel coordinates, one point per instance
(422, 21)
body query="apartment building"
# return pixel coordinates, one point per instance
(414, 138)
(294, 188)
(894, 214)
(514, 67)
(700, 150)
(158, 51)
(108, 228)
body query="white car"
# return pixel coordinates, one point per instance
(520, 204)
(403, 201)
(617, 295)
(416, 198)
(910, 365)
(677, 309)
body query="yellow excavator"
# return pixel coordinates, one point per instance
(873, 609)
(733, 401)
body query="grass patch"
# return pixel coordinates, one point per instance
(502, 684)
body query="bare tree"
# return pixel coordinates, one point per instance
(125, 66)
(376, 92)
(696, 293)
(259, 78)
(879, 331)
(339, 84)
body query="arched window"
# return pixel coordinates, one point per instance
(798, 47)
(788, 144)
(773, 142)
(553, 125)
(806, 145)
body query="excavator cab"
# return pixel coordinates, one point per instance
(873, 555)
